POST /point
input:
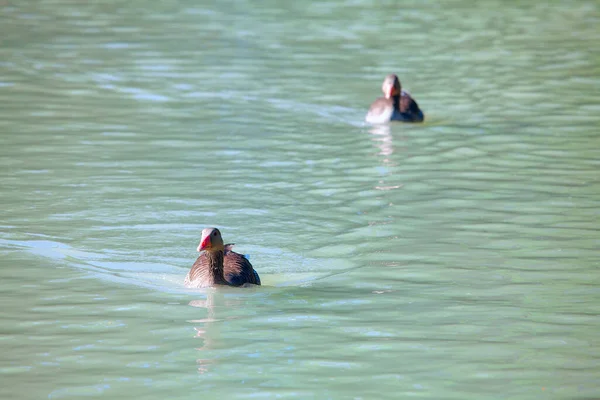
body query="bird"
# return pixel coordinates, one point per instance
(396, 105)
(218, 264)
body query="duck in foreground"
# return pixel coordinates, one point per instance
(396, 105)
(218, 264)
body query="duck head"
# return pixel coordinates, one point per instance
(391, 86)
(211, 240)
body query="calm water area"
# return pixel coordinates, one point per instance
(454, 259)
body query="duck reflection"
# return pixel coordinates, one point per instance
(381, 135)
(209, 329)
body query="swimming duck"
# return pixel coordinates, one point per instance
(396, 105)
(218, 264)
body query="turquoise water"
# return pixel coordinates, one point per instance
(455, 259)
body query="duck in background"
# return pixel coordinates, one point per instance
(218, 264)
(396, 105)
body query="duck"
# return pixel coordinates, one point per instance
(396, 105)
(219, 265)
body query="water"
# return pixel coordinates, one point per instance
(457, 259)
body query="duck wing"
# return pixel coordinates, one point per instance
(237, 269)
(199, 275)
(380, 112)
(409, 109)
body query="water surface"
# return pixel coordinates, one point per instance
(456, 259)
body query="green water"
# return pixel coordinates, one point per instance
(457, 259)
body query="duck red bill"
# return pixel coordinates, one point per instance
(204, 244)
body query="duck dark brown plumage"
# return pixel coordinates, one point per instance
(218, 264)
(396, 105)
